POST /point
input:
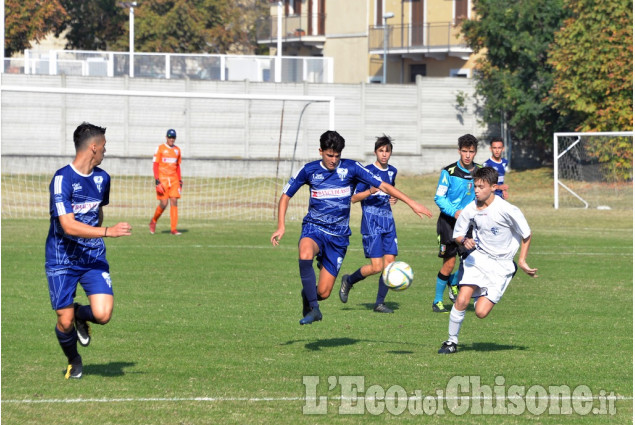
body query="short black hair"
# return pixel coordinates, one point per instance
(486, 174)
(468, 141)
(84, 132)
(496, 139)
(383, 141)
(332, 140)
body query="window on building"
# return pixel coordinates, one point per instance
(292, 7)
(419, 69)
(460, 11)
(379, 13)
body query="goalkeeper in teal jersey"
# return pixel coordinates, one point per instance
(454, 191)
(379, 235)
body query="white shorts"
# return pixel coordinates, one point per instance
(489, 276)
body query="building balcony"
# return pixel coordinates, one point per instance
(437, 40)
(307, 29)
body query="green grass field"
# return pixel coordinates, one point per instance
(205, 328)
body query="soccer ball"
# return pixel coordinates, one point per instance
(398, 276)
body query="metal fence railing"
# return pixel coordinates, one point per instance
(445, 35)
(172, 66)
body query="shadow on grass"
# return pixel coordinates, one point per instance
(391, 305)
(490, 346)
(329, 343)
(167, 232)
(108, 369)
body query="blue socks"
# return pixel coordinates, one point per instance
(381, 291)
(307, 275)
(355, 277)
(442, 282)
(68, 342)
(85, 313)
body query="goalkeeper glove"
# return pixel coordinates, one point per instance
(159, 187)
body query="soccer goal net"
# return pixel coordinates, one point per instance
(593, 170)
(238, 150)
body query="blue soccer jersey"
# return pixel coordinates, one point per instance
(330, 193)
(455, 189)
(377, 216)
(83, 195)
(501, 168)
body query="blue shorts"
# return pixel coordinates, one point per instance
(376, 246)
(332, 248)
(63, 283)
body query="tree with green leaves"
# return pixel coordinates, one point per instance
(592, 59)
(29, 20)
(94, 25)
(513, 75)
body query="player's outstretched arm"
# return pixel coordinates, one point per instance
(78, 229)
(522, 258)
(283, 205)
(418, 209)
(360, 196)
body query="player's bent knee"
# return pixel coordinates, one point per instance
(65, 325)
(482, 314)
(324, 294)
(376, 270)
(103, 319)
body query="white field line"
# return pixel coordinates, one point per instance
(281, 399)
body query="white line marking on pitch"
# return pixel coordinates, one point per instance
(268, 399)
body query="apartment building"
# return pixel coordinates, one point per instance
(370, 39)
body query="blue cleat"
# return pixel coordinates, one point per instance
(306, 307)
(314, 316)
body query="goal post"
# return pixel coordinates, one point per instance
(239, 149)
(593, 170)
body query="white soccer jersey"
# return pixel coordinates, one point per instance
(497, 229)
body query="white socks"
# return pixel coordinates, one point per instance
(456, 319)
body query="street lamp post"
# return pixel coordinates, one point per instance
(387, 16)
(131, 5)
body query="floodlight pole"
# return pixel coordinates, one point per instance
(130, 5)
(278, 75)
(387, 16)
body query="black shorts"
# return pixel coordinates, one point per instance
(448, 248)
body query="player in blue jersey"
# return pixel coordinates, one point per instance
(75, 249)
(325, 228)
(454, 191)
(500, 164)
(379, 235)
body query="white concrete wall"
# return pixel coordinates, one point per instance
(424, 119)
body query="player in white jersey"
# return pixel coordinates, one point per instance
(325, 228)
(499, 230)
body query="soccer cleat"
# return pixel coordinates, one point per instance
(314, 316)
(306, 307)
(74, 370)
(439, 308)
(83, 329)
(345, 289)
(381, 308)
(453, 292)
(447, 348)
(153, 227)
(176, 233)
